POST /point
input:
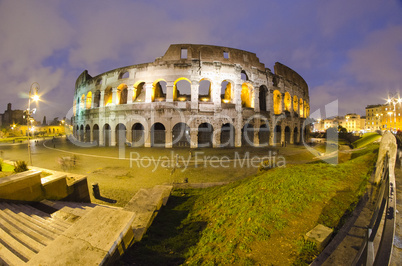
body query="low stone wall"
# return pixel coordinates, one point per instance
(29, 186)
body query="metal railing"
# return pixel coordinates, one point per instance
(386, 202)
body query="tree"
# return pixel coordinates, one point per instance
(44, 121)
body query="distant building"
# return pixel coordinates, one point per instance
(373, 117)
(11, 117)
(353, 123)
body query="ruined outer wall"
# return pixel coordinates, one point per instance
(256, 91)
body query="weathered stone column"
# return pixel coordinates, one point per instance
(112, 136)
(130, 93)
(194, 94)
(193, 137)
(216, 97)
(256, 99)
(114, 96)
(101, 136)
(168, 138)
(102, 99)
(216, 138)
(147, 136)
(237, 97)
(282, 134)
(91, 134)
(256, 137)
(169, 92)
(292, 136)
(148, 92)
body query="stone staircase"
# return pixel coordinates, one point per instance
(25, 231)
(75, 233)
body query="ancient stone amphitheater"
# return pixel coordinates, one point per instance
(193, 96)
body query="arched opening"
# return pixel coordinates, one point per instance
(106, 135)
(277, 136)
(295, 104)
(82, 133)
(287, 101)
(226, 91)
(181, 135)
(108, 96)
(204, 91)
(82, 102)
(124, 75)
(262, 97)
(87, 134)
(277, 102)
(120, 134)
(139, 92)
(95, 133)
(182, 90)
(159, 91)
(295, 134)
(137, 135)
(122, 94)
(243, 75)
(263, 134)
(247, 95)
(97, 99)
(287, 135)
(76, 133)
(301, 108)
(158, 135)
(205, 135)
(247, 135)
(305, 109)
(89, 100)
(227, 135)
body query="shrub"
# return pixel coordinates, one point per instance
(1, 164)
(20, 166)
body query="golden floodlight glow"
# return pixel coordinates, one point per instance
(226, 100)
(205, 99)
(182, 99)
(35, 97)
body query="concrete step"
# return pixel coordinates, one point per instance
(20, 250)
(56, 223)
(21, 236)
(8, 257)
(27, 222)
(19, 226)
(39, 221)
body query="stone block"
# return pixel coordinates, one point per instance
(22, 186)
(320, 235)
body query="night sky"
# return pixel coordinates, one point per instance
(350, 51)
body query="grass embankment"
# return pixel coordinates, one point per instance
(366, 139)
(7, 169)
(259, 220)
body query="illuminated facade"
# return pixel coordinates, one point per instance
(194, 96)
(373, 117)
(353, 123)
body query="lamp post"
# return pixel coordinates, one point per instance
(393, 101)
(35, 97)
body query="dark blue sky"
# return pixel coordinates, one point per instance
(350, 51)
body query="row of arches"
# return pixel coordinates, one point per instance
(182, 135)
(182, 92)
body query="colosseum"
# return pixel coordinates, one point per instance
(193, 96)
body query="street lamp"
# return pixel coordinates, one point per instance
(35, 97)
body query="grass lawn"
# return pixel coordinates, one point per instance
(7, 169)
(257, 220)
(366, 139)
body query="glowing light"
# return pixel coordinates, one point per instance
(35, 97)
(226, 100)
(182, 99)
(205, 99)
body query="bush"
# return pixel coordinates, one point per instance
(20, 166)
(1, 164)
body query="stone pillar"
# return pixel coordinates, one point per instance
(193, 137)
(130, 93)
(147, 136)
(91, 134)
(101, 136)
(237, 97)
(216, 138)
(216, 96)
(112, 136)
(282, 134)
(292, 136)
(194, 94)
(257, 99)
(148, 92)
(298, 135)
(282, 102)
(102, 99)
(256, 137)
(169, 92)
(114, 96)
(168, 138)
(272, 133)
